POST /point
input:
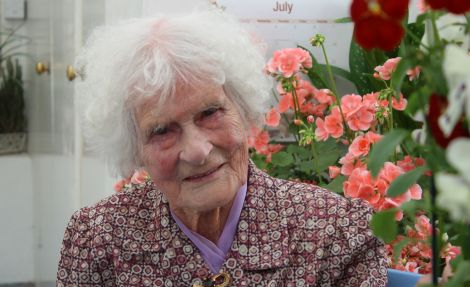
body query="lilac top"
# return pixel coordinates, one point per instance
(214, 255)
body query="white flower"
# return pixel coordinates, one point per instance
(457, 72)
(454, 190)
(458, 155)
(454, 195)
(451, 28)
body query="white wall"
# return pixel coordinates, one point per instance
(16, 219)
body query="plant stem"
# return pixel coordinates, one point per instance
(296, 104)
(435, 250)
(437, 39)
(335, 91)
(294, 97)
(284, 115)
(416, 38)
(330, 72)
(315, 160)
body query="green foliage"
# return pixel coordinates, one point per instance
(282, 159)
(461, 275)
(403, 182)
(384, 225)
(12, 118)
(336, 185)
(382, 150)
(361, 65)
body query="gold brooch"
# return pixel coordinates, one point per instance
(219, 280)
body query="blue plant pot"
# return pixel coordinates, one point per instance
(397, 278)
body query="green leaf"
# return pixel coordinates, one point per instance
(384, 225)
(418, 31)
(328, 153)
(399, 247)
(316, 73)
(336, 185)
(403, 182)
(282, 159)
(300, 151)
(339, 72)
(259, 160)
(382, 150)
(306, 167)
(399, 75)
(344, 20)
(460, 276)
(361, 65)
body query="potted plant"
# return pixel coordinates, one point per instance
(12, 114)
(400, 141)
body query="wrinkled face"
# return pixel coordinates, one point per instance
(194, 147)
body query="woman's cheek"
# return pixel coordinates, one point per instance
(160, 163)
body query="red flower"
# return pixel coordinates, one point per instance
(454, 6)
(437, 106)
(378, 22)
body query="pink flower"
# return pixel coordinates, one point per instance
(359, 115)
(333, 171)
(349, 163)
(289, 61)
(324, 96)
(449, 252)
(389, 172)
(373, 137)
(423, 227)
(399, 104)
(362, 120)
(288, 64)
(361, 185)
(310, 119)
(258, 139)
(413, 73)
(385, 71)
(313, 109)
(320, 132)
(139, 176)
(285, 103)
(273, 117)
(118, 186)
(334, 123)
(351, 104)
(409, 163)
(422, 6)
(360, 146)
(371, 100)
(305, 86)
(272, 149)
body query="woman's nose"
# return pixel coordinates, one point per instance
(196, 147)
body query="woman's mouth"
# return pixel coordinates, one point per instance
(204, 175)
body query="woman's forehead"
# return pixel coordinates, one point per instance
(184, 102)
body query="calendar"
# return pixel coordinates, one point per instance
(285, 24)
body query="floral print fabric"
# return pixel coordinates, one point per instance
(289, 234)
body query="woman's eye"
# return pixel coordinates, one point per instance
(159, 131)
(210, 111)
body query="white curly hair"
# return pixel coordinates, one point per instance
(149, 57)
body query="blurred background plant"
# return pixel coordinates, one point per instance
(12, 105)
(403, 132)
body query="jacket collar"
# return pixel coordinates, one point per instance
(262, 239)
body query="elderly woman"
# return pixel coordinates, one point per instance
(176, 96)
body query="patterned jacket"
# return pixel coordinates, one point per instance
(289, 234)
